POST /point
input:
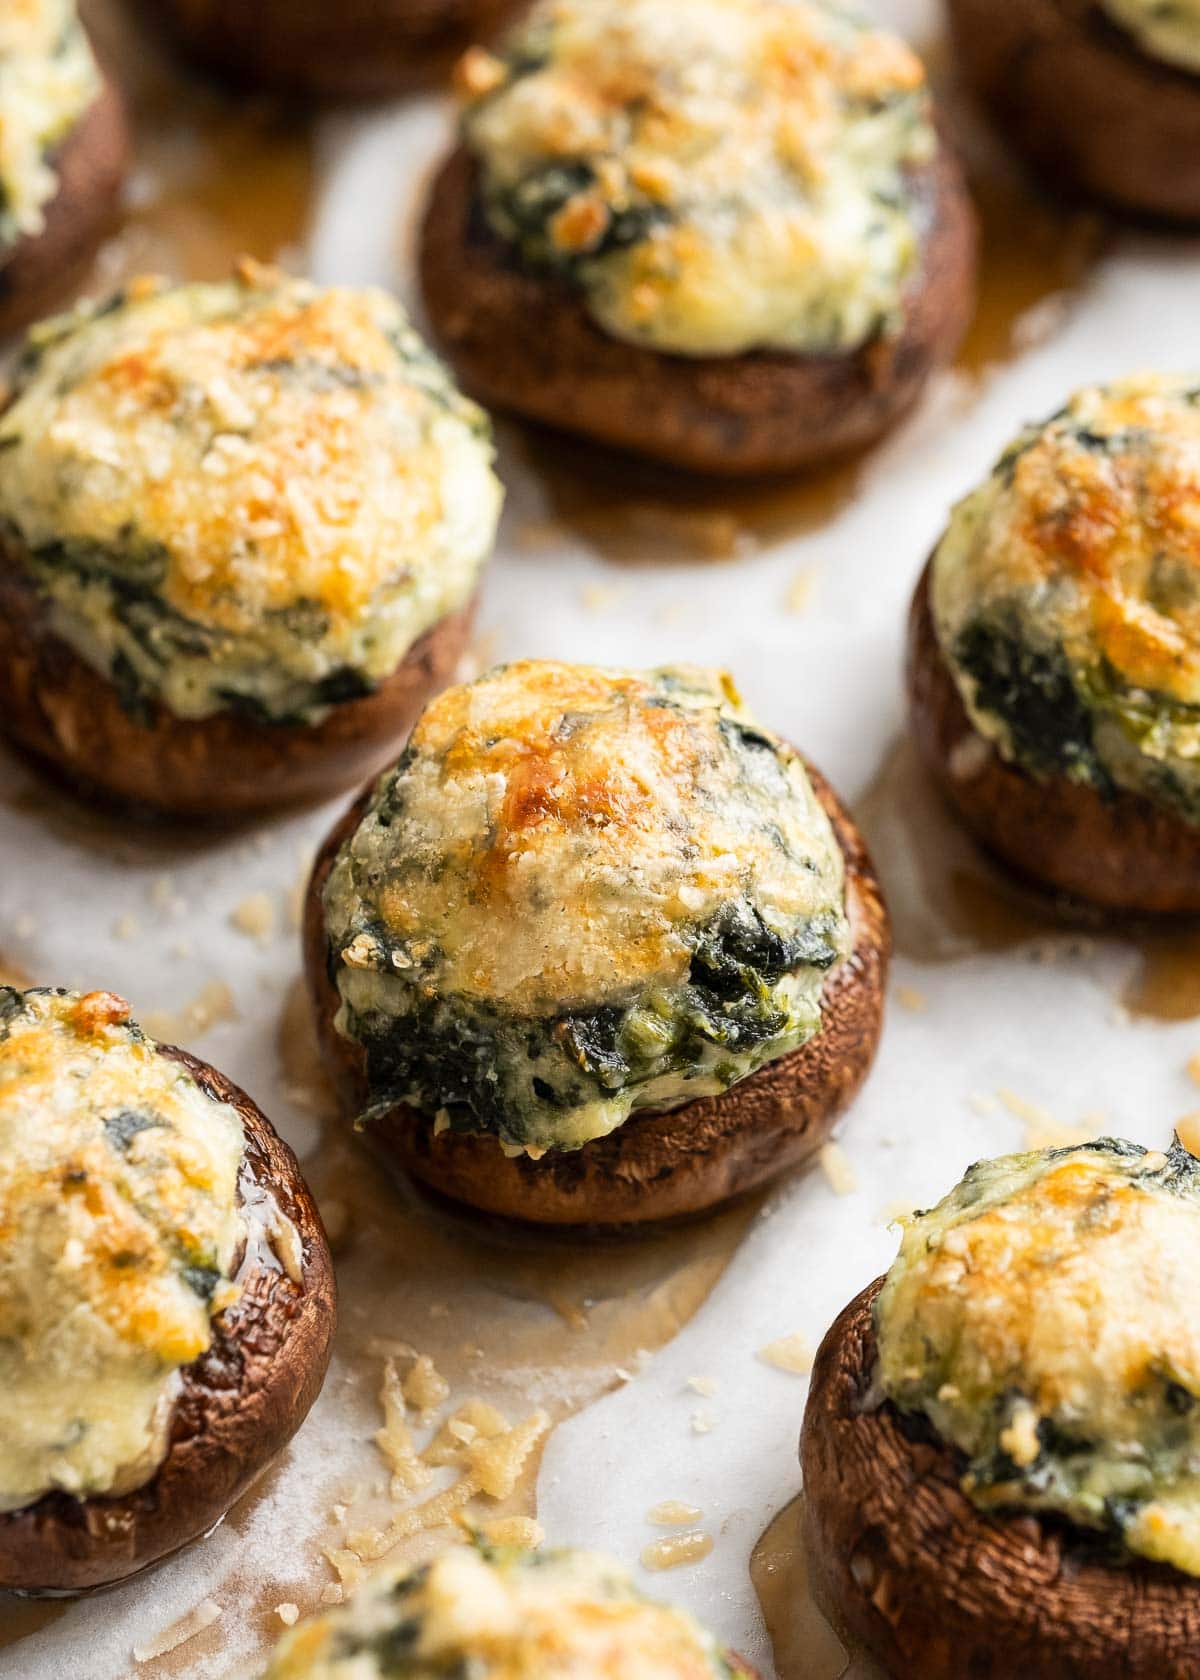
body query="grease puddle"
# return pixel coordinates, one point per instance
(214, 178)
(805, 1646)
(1165, 986)
(946, 901)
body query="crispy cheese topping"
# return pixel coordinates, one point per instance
(1165, 29)
(48, 80)
(253, 495)
(119, 1229)
(1044, 1319)
(716, 176)
(502, 1615)
(582, 892)
(1066, 593)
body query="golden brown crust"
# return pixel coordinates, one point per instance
(357, 49)
(238, 1407)
(1091, 112)
(69, 718)
(1123, 853)
(42, 270)
(931, 1586)
(729, 416)
(655, 1166)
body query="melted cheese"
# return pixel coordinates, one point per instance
(1044, 1318)
(245, 490)
(559, 839)
(717, 175)
(1086, 540)
(501, 1616)
(119, 1227)
(48, 80)
(1165, 29)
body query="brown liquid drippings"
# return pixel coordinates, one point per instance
(214, 178)
(1166, 984)
(805, 1647)
(946, 901)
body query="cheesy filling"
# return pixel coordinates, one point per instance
(119, 1229)
(581, 893)
(715, 176)
(1164, 29)
(502, 1615)
(250, 496)
(48, 80)
(1066, 594)
(1044, 1319)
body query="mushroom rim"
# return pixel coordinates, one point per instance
(257, 1382)
(931, 1585)
(657, 1168)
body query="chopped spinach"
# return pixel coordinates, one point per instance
(121, 1128)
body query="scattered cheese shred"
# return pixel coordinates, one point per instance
(800, 590)
(514, 1531)
(213, 1004)
(425, 1388)
(707, 1386)
(673, 1513)
(1188, 1131)
(289, 1614)
(255, 917)
(677, 1550)
(790, 1353)
(395, 1440)
(837, 1169)
(187, 1627)
(910, 998)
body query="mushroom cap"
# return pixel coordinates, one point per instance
(69, 718)
(729, 416)
(43, 268)
(237, 1406)
(931, 1586)
(1124, 853)
(1091, 113)
(655, 1166)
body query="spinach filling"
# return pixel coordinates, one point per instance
(1063, 719)
(482, 1069)
(154, 636)
(523, 215)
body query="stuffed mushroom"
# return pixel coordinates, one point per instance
(357, 49)
(1002, 1435)
(62, 155)
(241, 529)
(166, 1294)
(1101, 96)
(741, 236)
(1054, 657)
(598, 950)
(504, 1614)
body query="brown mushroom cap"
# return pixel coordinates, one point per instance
(41, 270)
(765, 412)
(1123, 853)
(655, 1166)
(355, 49)
(1090, 111)
(238, 1406)
(69, 718)
(935, 1589)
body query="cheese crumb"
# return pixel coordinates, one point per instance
(839, 1172)
(707, 1386)
(514, 1531)
(127, 928)
(702, 1423)
(673, 1513)
(1188, 1132)
(187, 1627)
(255, 917)
(910, 998)
(678, 1550)
(790, 1353)
(799, 594)
(1193, 1062)
(289, 1614)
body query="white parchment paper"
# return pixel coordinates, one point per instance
(974, 1039)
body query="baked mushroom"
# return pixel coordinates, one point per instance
(1054, 651)
(743, 241)
(1001, 1439)
(1101, 96)
(358, 49)
(241, 529)
(62, 156)
(500, 1613)
(166, 1294)
(598, 950)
